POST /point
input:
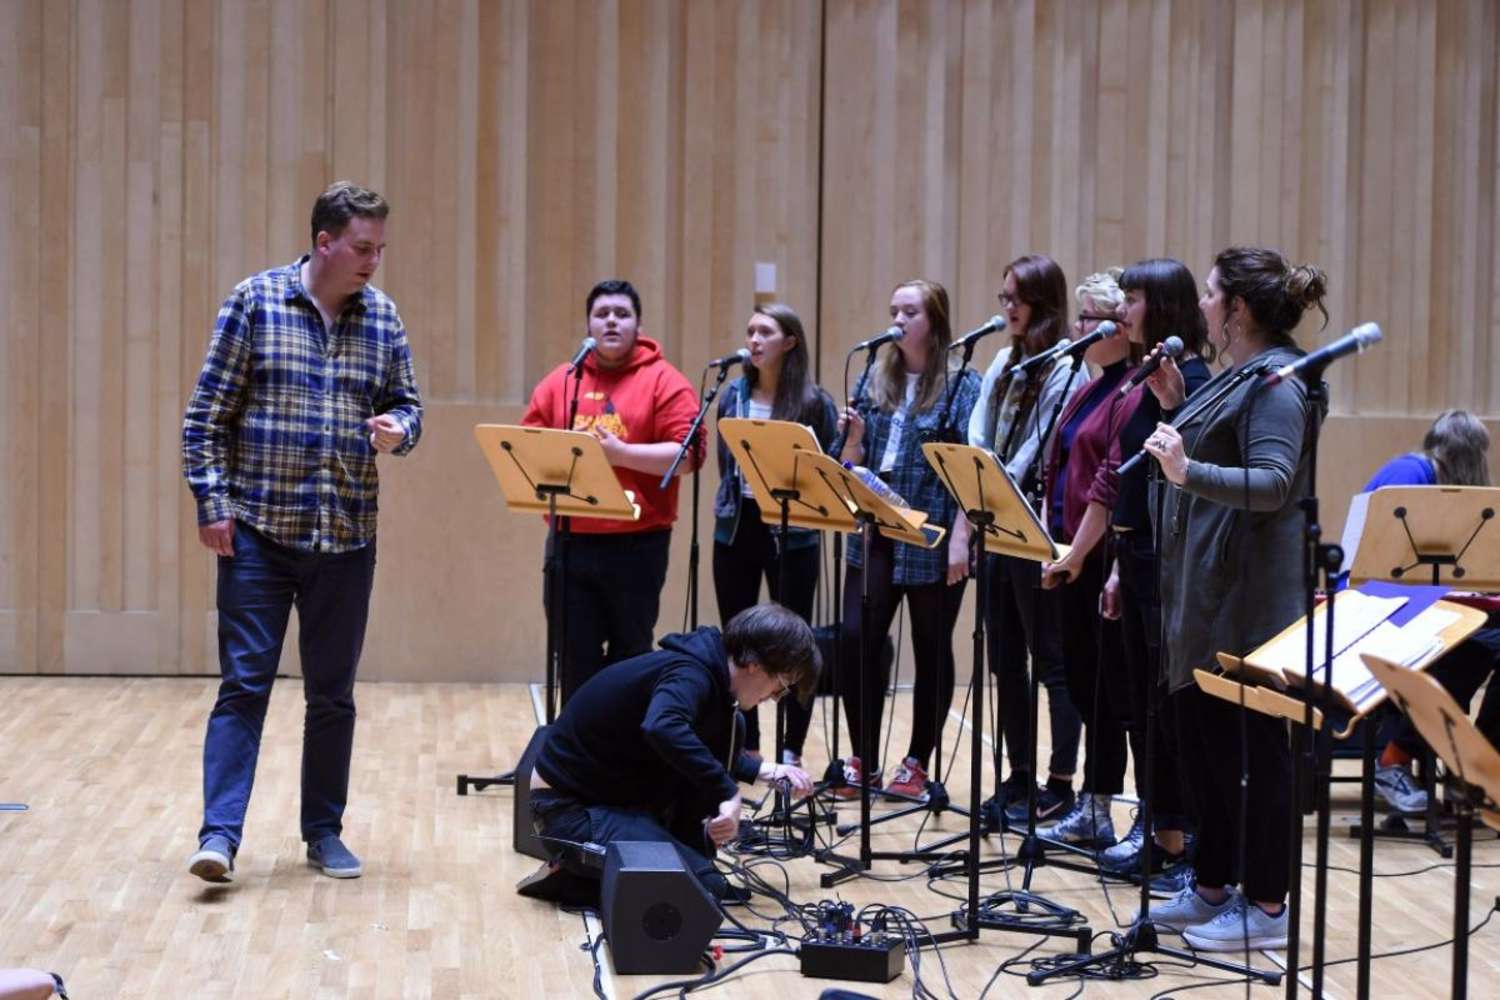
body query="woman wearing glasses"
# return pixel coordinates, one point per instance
(1012, 416)
(1081, 488)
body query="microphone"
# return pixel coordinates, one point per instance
(1067, 348)
(1170, 348)
(892, 334)
(1310, 366)
(589, 343)
(737, 358)
(993, 325)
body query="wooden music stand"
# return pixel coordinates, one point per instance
(868, 513)
(1446, 622)
(1450, 529)
(562, 474)
(1473, 771)
(1002, 522)
(773, 459)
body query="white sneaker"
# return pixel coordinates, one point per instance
(1241, 926)
(1188, 909)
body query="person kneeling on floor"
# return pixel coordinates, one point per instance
(648, 748)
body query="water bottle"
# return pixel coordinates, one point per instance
(878, 486)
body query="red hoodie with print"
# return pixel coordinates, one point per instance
(644, 401)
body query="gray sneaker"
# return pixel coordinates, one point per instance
(1241, 926)
(1400, 790)
(1188, 909)
(214, 861)
(332, 858)
(1088, 823)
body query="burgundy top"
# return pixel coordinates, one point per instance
(1090, 475)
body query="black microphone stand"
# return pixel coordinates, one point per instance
(1036, 914)
(705, 401)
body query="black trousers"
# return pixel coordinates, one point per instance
(1085, 636)
(1140, 685)
(613, 594)
(1462, 672)
(933, 608)
(1023, 620)
(739, 568)
(1209, 732)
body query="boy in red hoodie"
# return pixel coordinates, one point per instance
(640, 408)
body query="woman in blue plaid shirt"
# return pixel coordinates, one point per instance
(906, 404)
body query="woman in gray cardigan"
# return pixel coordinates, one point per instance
(1230, 544)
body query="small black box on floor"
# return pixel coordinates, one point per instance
(874, 958)
(526, 840)
(657, 916)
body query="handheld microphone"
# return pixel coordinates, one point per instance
(589, 343)
(1310, 366)
(1170, 348)
(891, 335)
(993, 325)
(737, 358)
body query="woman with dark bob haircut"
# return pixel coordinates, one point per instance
(1230, 545)
(1161, 301)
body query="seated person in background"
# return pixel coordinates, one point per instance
(1454, 453)
(648, 749)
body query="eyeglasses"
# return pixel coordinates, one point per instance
(1009, 300)
(1090, 317)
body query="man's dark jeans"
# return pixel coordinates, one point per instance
(555, 814)
(258, 587)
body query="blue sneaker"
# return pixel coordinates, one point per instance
(214, 861)
(332, 858)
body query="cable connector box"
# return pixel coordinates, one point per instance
(873, 958)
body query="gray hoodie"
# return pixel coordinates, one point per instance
(1222, 591)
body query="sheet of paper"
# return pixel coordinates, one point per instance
(1354, 527)
(1355, 615)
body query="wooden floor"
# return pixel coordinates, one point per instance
(93, 880)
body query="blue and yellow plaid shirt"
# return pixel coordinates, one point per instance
(274, 433)
(914, 479)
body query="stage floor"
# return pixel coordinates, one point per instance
(93, 879)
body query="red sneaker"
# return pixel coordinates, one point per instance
(910, 780)
(852, 778)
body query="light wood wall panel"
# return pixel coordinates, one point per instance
(1357, 135)
(157, 151)
(154, 152)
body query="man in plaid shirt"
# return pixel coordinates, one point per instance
(308, 376)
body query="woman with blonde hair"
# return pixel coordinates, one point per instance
(1081, 489)
(905, 405)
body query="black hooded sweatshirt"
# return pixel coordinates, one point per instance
(651, 731)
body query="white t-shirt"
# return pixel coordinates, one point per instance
(898, 424)
(755, 411)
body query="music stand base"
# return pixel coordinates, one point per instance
(466, 782)
(1142, 937)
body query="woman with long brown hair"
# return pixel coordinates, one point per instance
(776, 385)
(904, 406)
(1011, 419)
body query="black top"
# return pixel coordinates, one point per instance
(651, 731)
(1132, 510)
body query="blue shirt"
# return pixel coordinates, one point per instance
(1413, 469)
